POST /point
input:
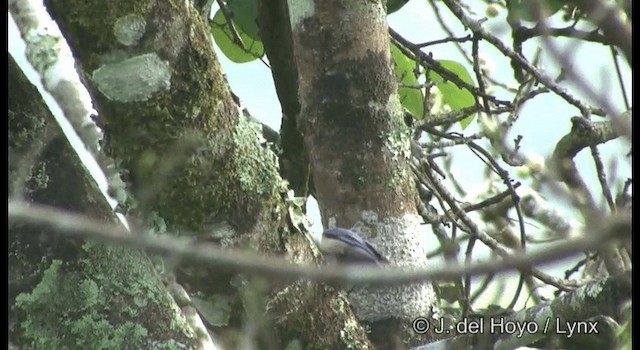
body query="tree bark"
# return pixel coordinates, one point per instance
(353, 127)
(65, 293)
(191, 161)
(194, 162)
(167, 112)
(273, 19)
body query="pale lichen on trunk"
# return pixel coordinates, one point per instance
(359, 146)
(190, 158)
(65, 293)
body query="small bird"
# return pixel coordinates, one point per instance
(348, 247)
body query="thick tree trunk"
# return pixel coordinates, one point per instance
(359, 149)
(65, 293)
(167, 112)
(191, 161)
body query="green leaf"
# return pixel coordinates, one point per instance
(525, 9)
(452, 95)
(410, 98)
(395, 5)
(252, 50)
(245, 13)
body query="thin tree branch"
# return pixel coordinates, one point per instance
(443, 25)
(608, 17)
(584, 133)
(430, 63)
(524, 93)
(602, 177)
(516, 295)
(482, 287)
(180, 249)
(235, 36)
(476, 27)
(487, 239)
(456, 116)
(51, 57)
(506, 179)
(228, 16)
(468, 254)
(448, 143)
(476, 69)
(445, 40)
(614, 56)
(491, 200)
(563, 60)
(524, 34)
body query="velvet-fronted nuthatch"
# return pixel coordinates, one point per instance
(348, 247)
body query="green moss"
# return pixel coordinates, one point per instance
(257, 166)
(88, 27)
(108, 301)
(182, 152)
(40, 176)
(350, 335)
(398, 139)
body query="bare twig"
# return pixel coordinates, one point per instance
(235, 36)
(491, 200)
(602, 177)
(228, 16)
(506, 179)
(482, 287)
(445, 27)
(516, 295)
(456, 116)
(488, 240)
(476, 69)
(468, 254)
(623, 199)
(524, 93)
(477, 28)
(429, 62)
(584, 133)
(501, 172)
(563, 59)
(445, 40)
(448, 143)
(524, 33)
(614, 56)
(615, 227)
(608, 17)
(576, 267)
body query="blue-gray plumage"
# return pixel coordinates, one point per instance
(348, 247)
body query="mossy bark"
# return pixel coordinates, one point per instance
(66, 293)
(181, 142)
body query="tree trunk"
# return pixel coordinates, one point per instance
(194, 163)
(359, 149)
(65, 293)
